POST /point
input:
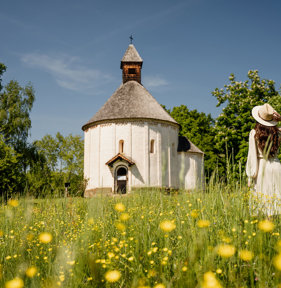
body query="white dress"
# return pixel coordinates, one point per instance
(266, 175)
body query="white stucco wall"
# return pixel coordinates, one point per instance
(150, 169)
(165, 167)
(191, 170)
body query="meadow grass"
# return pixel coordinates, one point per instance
(144, 239)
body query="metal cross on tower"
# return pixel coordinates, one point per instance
(131, 39)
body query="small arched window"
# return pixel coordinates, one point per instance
(152, 146)
(121, 146)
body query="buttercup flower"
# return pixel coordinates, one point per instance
(120, 207)
(226, 251)
(246, 255)
(194, 214)
(124, 217)
(31, 271)
(15, 283)
(210, 281)
(13, 203)
(277, 262)
(112, 276)
(266, 226)
(159, 286)
(167, 226)
(203, 223)
(45, 237)
(120, 226)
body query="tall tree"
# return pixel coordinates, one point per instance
(15, 105)
(64, 159)
(10, 172)
(233, 125)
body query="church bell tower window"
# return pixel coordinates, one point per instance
(132, 71)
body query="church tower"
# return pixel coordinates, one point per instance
(131, 65)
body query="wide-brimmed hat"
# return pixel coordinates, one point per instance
(265, 115)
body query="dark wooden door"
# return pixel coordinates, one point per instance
(121, 186)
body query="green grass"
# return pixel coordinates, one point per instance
(89, 239)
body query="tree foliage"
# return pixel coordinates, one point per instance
(15, 105)
(10, 173)
(63, 162)
(233, 125)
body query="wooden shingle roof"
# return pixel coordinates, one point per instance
(131, 55)
(185, 145)
(130, 101)
(120, 157)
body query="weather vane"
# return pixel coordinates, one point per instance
(131, 39)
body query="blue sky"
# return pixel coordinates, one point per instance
(71, 50)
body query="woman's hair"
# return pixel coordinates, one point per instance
(267, 137)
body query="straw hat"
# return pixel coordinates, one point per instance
(266, 115)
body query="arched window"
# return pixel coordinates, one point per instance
(121, 146)
(152, 146)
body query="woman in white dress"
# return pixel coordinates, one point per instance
(263, 168)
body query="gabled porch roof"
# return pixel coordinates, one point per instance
(120, 157)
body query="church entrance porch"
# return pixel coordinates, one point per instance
(119, 166)
(121, 180)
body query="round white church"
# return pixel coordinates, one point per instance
(132, 142)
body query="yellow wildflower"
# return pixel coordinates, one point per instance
(194, 214)
(120, 207)
(203, 223)
(124, 217)
(210, 281)
(13, 203)
(246, 255)
(120, 226)
(112, 276)
(226, 251)
(277, 262)
(266, 226)
(159, 286)
(45, 237)
(218, 271)
(278, 246)
(15, 283)
(167, 226)
(31, 271)
(184, 268)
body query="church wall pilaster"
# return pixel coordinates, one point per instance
(159, 151)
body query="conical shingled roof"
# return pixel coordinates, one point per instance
(130, 100)
(131, 55)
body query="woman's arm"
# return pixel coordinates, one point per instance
(252, 164)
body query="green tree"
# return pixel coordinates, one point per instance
(233, 125)
(10, 173)
(63, 161)
(15, 105)
(198, 128)
(2, 70)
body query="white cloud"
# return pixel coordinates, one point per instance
(154, 81)
(67, 72)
